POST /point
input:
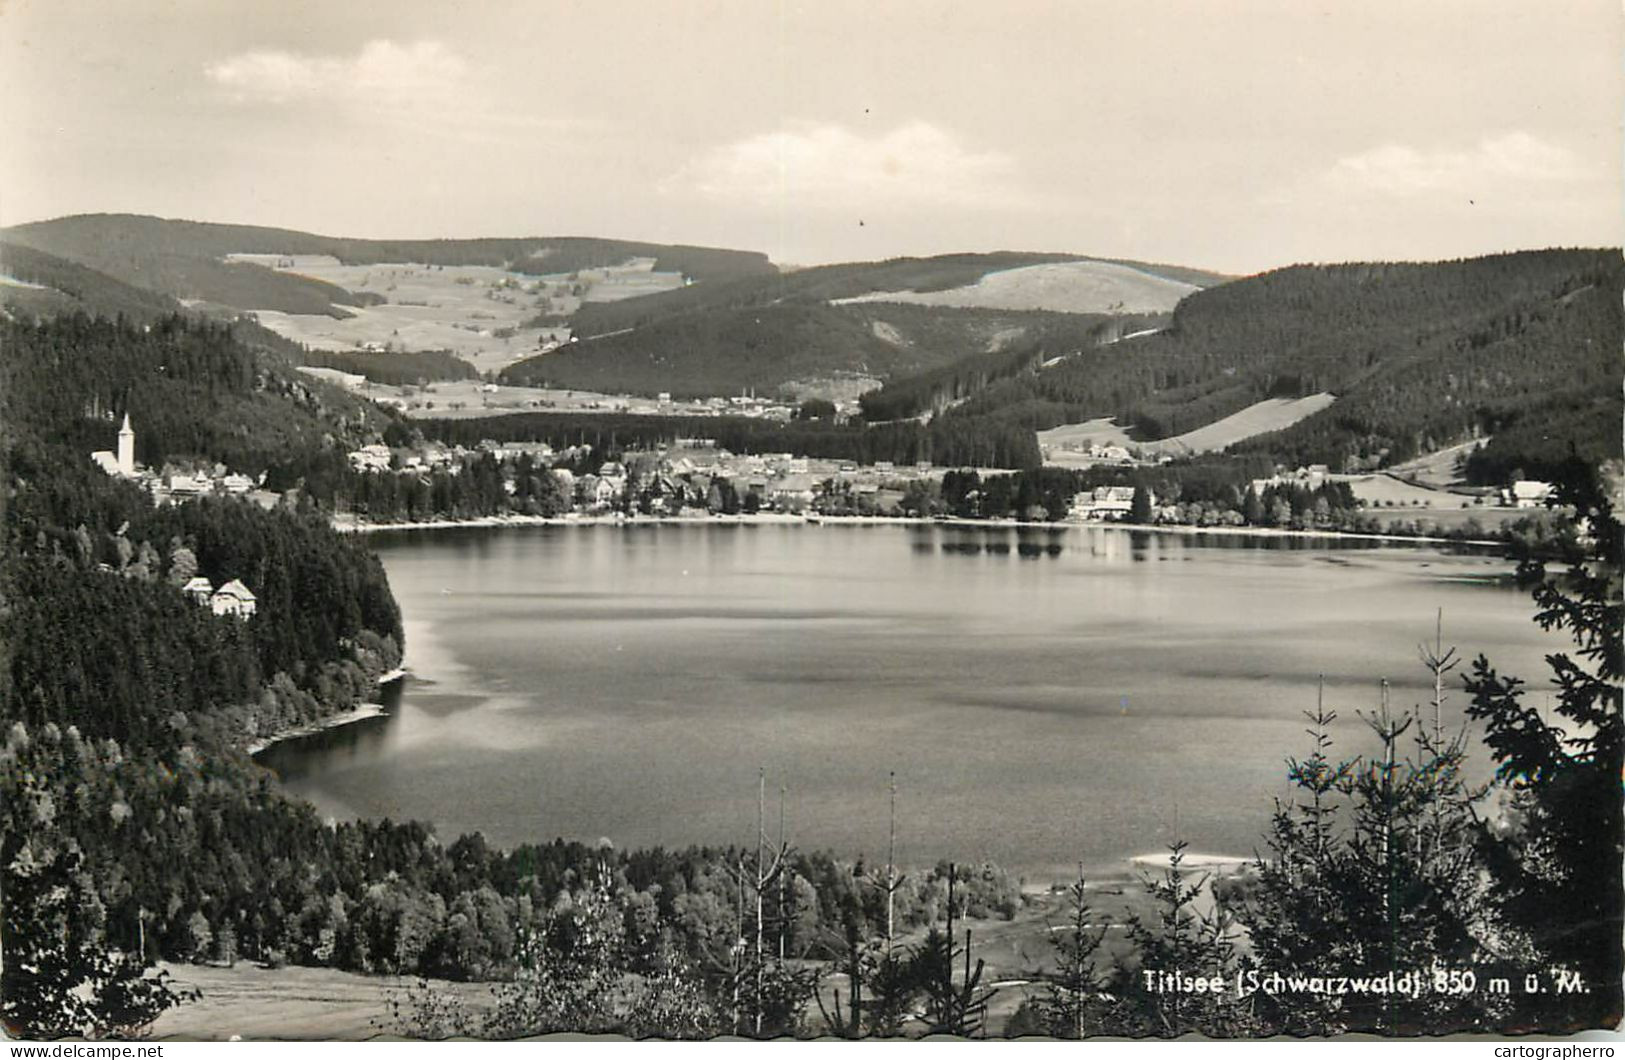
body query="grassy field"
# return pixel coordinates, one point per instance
(476, 312)
(1438, 468)
(1385, 491)
(261, 1004)
(1057, 441)
(1272, 414)
(1396, 501)
(1066, 287)
(1447, 519)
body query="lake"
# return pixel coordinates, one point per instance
(1045, 697)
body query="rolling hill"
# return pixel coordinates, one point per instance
(724, 350)
(1063, 287)
(34, 283)
(853, 280)
(185, 259)
(1418, 356)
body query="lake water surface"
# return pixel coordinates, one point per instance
(1044, 697)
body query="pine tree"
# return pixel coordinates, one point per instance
(1186, 942)
(958, 1009)
(1293, 913)
(1071, 1000)
(1140, 506)
(1556, 848)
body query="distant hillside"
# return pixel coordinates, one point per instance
(1418, 356)
(184, 258)
(725, 350)
(833, 283)
(37, 284)
(1064, 287)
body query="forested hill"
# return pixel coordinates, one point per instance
(36, 284)
(195, 392)
(827, 283)
(184, 259)
(1525, 346)
(725, 350)
(87, 559)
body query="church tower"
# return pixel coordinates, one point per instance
(126, 448)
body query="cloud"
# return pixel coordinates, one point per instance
(918, 164)
(1400, 170)
(381, 71)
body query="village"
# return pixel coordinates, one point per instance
(693, 477)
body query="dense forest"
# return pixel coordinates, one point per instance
(90, 560)
(61, 286)
(403, 368)
(1419, 356)
(966, 442)
(1023, 343)
(728, 350)
(193, 391)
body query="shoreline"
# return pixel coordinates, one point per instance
(354, 526)
(334, 721)
(348, 717)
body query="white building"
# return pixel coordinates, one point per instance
(122, 463)
(1103, 503)
(234, 599)
(1527, 493)
(126, 449)
(370, 458)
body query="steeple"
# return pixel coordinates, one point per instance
(126, 448)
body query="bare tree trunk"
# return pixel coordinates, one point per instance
(761, 809)
(891, 865)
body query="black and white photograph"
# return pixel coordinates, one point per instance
(811, 520)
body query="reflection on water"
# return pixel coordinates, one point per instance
(1045, 695)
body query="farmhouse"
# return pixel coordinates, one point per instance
(370, 458)
(793, 493)
(199, 589)
(185, 487)
(1526, 493)
(234, 599)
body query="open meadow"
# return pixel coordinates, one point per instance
(1064, 287)
(477, 312)
(1065, 446)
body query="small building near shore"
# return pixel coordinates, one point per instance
(1103, 503)
(1527, 493)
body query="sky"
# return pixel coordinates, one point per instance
(1235, 135)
